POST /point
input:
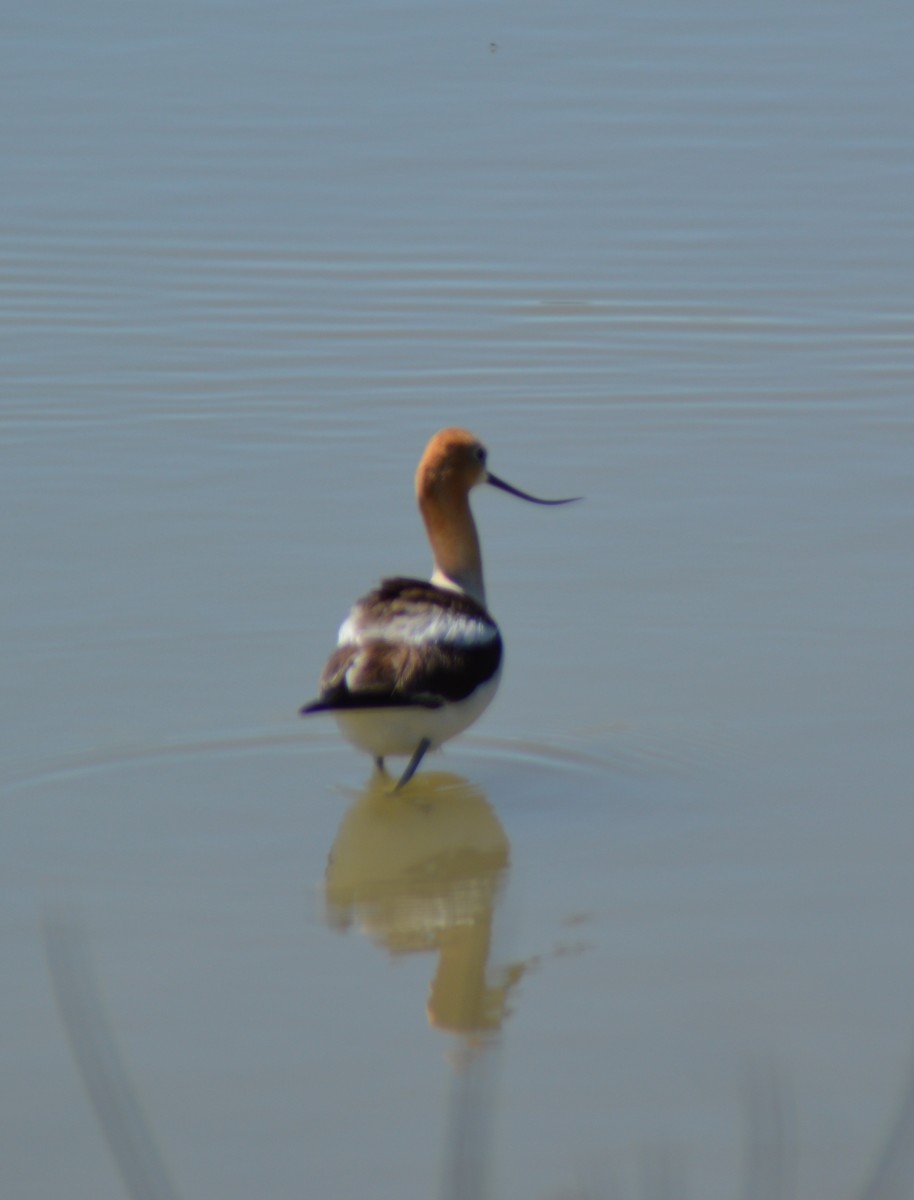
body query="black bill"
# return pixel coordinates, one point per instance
(513, 491)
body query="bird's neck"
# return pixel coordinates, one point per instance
(455, 544)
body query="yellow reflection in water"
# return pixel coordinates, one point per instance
(422, 870)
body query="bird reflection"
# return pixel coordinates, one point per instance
(423, 872)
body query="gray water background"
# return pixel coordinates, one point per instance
(251, 257)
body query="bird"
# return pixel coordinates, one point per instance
(416, 661)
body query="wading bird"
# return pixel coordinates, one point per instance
(416, 663)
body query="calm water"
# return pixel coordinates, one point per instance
(649, 925)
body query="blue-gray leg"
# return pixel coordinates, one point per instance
(413, 763)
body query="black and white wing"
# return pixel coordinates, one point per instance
(409, 643)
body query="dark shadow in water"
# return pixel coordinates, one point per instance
(769, 1168)
(421, 872)
(101, 1066)
(770, 1154)
(892, 1176)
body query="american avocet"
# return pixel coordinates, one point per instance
(416, 662)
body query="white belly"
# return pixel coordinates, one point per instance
(383, 731)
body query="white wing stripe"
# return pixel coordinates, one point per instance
(418, 629)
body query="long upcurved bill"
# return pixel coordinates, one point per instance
(513, 491)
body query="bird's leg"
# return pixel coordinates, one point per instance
(413, 763)
(379, 762)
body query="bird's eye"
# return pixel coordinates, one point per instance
(479, 453)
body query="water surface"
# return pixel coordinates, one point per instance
(653, 913)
